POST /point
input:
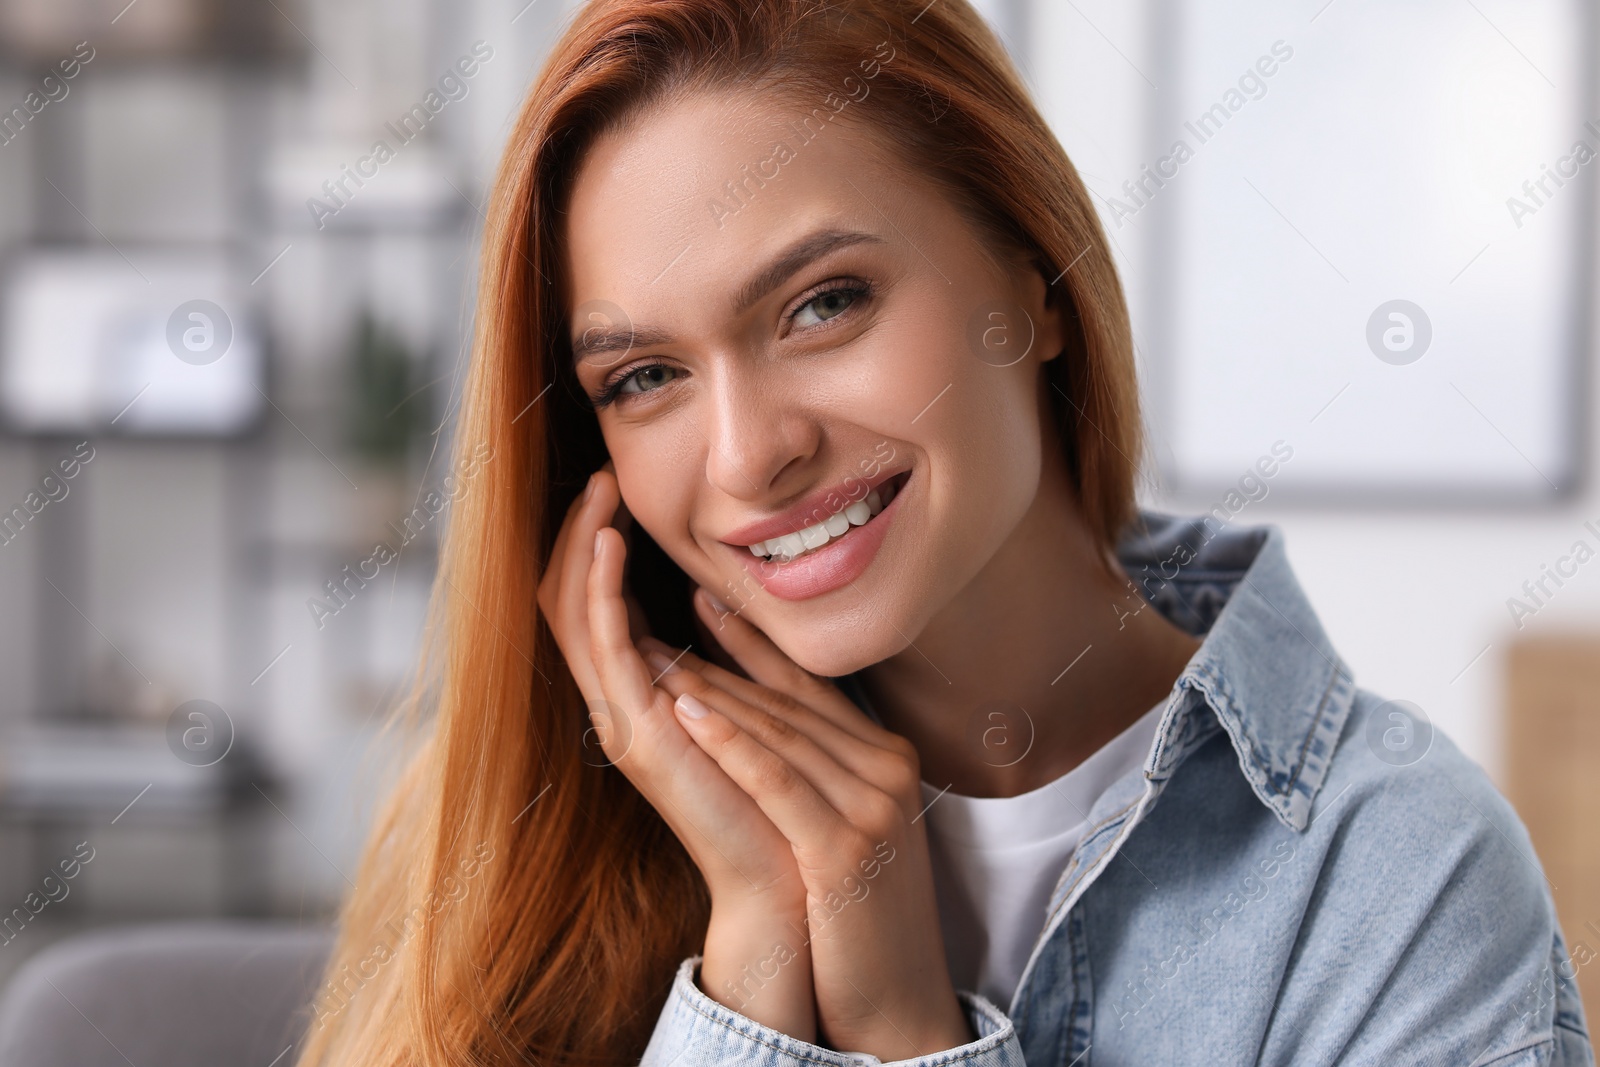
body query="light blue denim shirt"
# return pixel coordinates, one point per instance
(1299, 873)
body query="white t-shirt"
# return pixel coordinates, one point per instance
(997, 859)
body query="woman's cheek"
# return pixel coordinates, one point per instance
(892, 381)
(668, 528)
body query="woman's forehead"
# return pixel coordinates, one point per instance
(700, 193)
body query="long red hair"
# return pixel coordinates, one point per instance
(519, 901)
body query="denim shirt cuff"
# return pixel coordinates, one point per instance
(696, 1031)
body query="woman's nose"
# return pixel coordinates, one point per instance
(755, 432)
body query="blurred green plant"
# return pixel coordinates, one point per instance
(389, 412)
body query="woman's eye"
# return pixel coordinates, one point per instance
(648, 379)
(826, 305)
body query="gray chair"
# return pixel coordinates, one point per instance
(225, 994)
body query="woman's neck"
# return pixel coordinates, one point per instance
(1042, 659)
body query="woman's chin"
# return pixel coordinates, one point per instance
(826, 657)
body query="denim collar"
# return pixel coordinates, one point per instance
(1265, 667)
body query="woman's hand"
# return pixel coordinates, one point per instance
(845, 794)
(757, 895)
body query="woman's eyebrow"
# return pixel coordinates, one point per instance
(795, 257)
(600, 341)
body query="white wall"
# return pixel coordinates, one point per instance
(1415, 600)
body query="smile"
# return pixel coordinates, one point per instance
(826, 560)
(792, 546)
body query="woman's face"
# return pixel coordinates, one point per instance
(787, 325)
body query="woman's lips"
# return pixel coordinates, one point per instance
(814, 507)
(839, 562)
(850, 516)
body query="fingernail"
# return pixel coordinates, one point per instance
(713, 601)
(588, 490)
(597, 534)
(662, 664)
(690, 707)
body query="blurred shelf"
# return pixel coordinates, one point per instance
(52, 772)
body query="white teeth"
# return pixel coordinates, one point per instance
(816, 535)
(788, 545)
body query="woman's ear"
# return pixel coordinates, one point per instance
(1046, 304)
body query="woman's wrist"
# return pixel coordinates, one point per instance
(930, 1021)
(758, 963)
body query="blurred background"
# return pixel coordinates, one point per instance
(1357, 237)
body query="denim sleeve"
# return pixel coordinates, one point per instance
(695, 1031)
(1432, 937)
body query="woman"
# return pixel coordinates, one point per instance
(809, 688)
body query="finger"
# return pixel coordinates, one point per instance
(563, 535)
(770, 668)
(786, 795)
(787, 727)
(714, 652)
(768, 699)
(622, 520)
(551, 577)
(624, 678)
(564, 539)
(768, 665)
(576, 567)
(645, 726)
(638, 621)
(621, 517)
(765, 662)
(565, 580)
